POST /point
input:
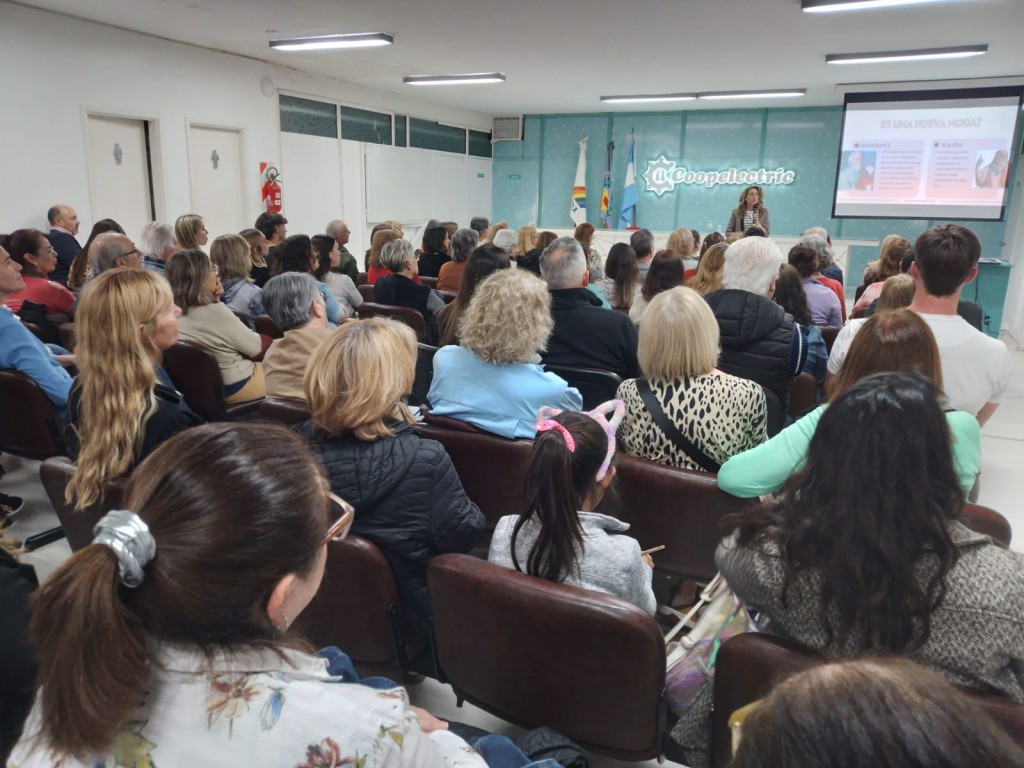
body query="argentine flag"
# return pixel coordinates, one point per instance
(629, 195)
(578, 204)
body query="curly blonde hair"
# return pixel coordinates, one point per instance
(115, 352)
(508, 320)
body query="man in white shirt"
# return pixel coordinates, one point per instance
(974, 365)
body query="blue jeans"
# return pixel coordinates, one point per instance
(340, 665)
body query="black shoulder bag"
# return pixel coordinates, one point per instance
(671, 430)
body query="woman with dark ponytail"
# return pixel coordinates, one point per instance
(560, 537)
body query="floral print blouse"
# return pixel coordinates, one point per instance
(254, 708)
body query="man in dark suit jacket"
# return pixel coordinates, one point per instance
(63, 228)
(585, 335)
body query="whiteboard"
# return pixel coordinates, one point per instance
(310, 176)
(449, 188)
(399, 183)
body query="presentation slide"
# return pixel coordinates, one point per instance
(927, 154)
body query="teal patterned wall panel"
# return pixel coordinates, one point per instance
(559, 156)
(656, 135)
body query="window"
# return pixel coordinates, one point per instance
(428, 135)
(312, 118)
(363, 125)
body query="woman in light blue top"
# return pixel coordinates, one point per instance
(494, 380)
(296, 254)
(889, 342)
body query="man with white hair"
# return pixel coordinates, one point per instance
(508, 241)
(760, 341)
(158, 244)
(339, 230)
(585, 335)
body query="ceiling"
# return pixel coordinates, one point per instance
(562, 55)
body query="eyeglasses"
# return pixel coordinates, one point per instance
(215, 270)
(129, 253)
(340, 527)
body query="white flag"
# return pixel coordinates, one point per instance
(578, 204)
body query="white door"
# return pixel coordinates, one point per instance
(215, 176)
(118, 164)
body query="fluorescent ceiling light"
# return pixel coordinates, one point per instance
(833, 6)
(924, 54)
(647, 98)
(776, 94)
(470, 79)
(329, 42)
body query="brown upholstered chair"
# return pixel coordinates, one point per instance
(986, 520)
(803, 394)
(749, 666)
(366, 291)
(288, 412)
(424, 374)
(448, 296)
(66, 334)
(194, 370)
(430, 281)
(829, 333)
(30, 426)
(589, 665)
(357, 609)
(266, 327)
(595, 385)
(56, 473)
(361, 279)
(411, 317)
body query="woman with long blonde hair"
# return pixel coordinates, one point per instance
(190, 232)
(119, 410)
(709, 271)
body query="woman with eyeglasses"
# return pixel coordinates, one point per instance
(31, 249)
(167, 641)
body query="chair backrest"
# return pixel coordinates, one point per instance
(66, 333)
(803, 394)
(366, 291)
(194, 370)
(748, 667)
(431, 281)
(448, 296)
(267, 327)
(356, 607)
(595, 385)
(411, 317)
(829, 333)
(30, 426)
(986, 520)
(589, 665)
(424, 374)
(774, 415)
(56, 473)
(288, 412)
(361, 278)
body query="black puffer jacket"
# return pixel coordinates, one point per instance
(760, 341)
(409, 501)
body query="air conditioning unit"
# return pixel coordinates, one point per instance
(506, 128)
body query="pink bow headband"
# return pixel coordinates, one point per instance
(616, 409)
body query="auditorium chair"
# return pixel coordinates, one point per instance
(829, 333)
(266, 327)
(595, 385)
(428, 281)
(537, 653)
(424, 374)
(194, 371)
(366, 291)
(361, 279)
(748, 666)
(411, 317)
(287, 412)
(357, 609)
(773, 412)
(56, 473)
(803, 394)
(66, 335)
(448, 296)
(987, 521)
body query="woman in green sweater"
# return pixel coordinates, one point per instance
(897, 341)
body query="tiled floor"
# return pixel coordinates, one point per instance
(1002, 482)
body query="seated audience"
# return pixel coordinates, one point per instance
(708, 277)
(531, 259)
(712, 238)
(585, 335)
(824, 257)
(789, 294)
(480, 224)
(341, 286)
(862, 551)
(165, 642)
(18, 584)
(642, 243)
(434, 253)
(64, 226)
(408, 498)
(399, 290)
(81, 269)
(274, 227)
(207, 321)
(897, 292)
(293, 301)
(295, 254)
(527, 239)
(680, 241)
(158, 244)
(451, 226)
(826, 263)
(338, 231)
(666, 272)
(508, 242)
(121, 406)
(37, 258)
(890, 342)
(759, 340)
(823, 302)
(686, 412)
(375, 271)
(584, 234)
(887, 711)
(482, 262)
(974, 365)
(230, 254)
(621, 279)
(464, 242)
(110, 250)
(493, 379)
(190, 232)
(560, 537)
(893, 250)
(259, 249)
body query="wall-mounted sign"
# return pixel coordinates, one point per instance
(662, 176)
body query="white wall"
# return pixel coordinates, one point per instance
(56, 68)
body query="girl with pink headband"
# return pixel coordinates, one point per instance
(559, 536)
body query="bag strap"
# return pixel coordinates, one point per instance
(671, 431)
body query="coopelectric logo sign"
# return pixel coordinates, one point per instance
(662, 176)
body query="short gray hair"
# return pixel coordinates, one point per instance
(562, 265)
(288, 299)
(464, 241)
(820, 248)
(506, 239)
(817, 232)
(642, 243)
(394, 255)
(334, 227)
(105, 251)
(751, 264)
(479, 224)
(156, 238)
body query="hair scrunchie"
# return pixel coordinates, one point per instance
(128, 536)
(550, 424)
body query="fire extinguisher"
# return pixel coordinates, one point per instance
(272, 191)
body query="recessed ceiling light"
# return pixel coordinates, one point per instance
(776, 94)
(924, 54)
(471, 79)
(833, 6)
(329, 42)
(647, 98)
